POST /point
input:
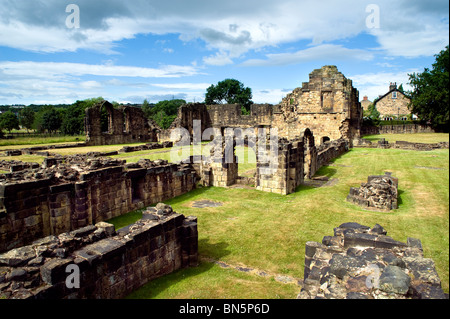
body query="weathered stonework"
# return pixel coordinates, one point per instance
(110, 264)
(125, 125)
(68, 193)
(382, 143)
(328, 105)
(360, 262)
(380, 192)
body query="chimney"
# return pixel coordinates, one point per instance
(365, 98)
(393, 86)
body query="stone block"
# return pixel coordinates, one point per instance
(54, 270)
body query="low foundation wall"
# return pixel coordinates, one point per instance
(397, 129)
(60, 198)
(330, 151)
(97, 262)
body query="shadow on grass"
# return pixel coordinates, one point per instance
(326, 171)
(134, 216)
(188, 196)
(174, 281)
(399, 197)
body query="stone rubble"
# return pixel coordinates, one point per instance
(380, 192)
(360, 262)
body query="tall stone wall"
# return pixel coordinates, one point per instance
(48, 201)
(96, 262)
(328, 105)
(125, 125)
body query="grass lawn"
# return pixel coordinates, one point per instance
(418, 138)
(268, 231)
(23, 142)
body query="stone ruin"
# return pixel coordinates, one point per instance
(328, 105)
(380, 192)
(360, 262)
(110, 263)
(125, 125)
(69, 192)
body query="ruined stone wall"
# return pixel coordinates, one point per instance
(125, 125)
(330, 151)
(110, 264)
(48, 201)
(327, 104)
(397, 129)
(360, 262)
(380, 193)
(285, 174)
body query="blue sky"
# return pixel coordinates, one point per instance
(128, 51)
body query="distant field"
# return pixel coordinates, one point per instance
(23, 142)
(417, 138)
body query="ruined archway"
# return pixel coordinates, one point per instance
(106, 118)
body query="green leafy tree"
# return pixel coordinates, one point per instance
(430, 94)
(146, 108)
(9, 121)
(26, 118)
(165, 112)
(73, 117)
(371, 115)
(229, 91)
(51, 120)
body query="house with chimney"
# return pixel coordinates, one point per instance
(365, 103)
(393, 104)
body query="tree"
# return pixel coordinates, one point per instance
(73, 119)
(146, 108)
(9, 121)
(371, 115)
(430, 94)
(26, 118)
(51, 120)
(229, 91)
(164, 112)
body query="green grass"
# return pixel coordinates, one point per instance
(269, 231)
(417, 138)
(33, 141)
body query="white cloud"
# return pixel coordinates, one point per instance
(219, 59)
(183, 86)
(61, 69)
(231, 28)
(320, 52)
